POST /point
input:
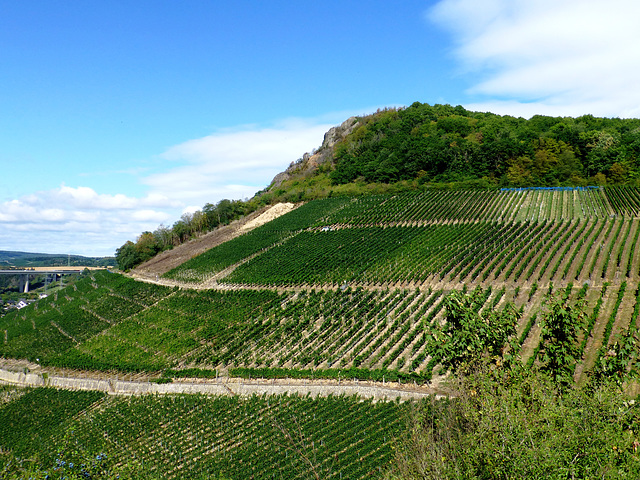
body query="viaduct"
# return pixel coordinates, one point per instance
(51, 273)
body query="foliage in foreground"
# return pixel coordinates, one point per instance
(469, 334)
(507, 424)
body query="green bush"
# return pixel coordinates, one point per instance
(506, 425)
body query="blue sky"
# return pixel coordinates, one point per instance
(118, 116)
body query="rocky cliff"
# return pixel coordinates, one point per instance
(311, 161)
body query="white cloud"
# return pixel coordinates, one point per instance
(78, 220)
(87, 198)
(560, 57)
(226, 164)
(234, 163)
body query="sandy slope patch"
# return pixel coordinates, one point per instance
(270, 214)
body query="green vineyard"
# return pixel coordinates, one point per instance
(424, 238)
(353, 284)
(187, 436)
(355, 288)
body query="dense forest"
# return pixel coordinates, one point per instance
(442, 143)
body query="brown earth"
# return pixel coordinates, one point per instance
(169, 259)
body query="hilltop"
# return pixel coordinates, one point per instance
(424, 145)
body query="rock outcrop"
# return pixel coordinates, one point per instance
(311, 161)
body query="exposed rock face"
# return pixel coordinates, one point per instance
(279, 178)
(336, 134)
(311, 161)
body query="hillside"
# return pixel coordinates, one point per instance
(168, 259)
(368, 275)
(26, 259)
(421, 147)
(384, 284)
(354, 288)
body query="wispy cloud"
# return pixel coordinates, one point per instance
(78, 220)
(563, 57)
(233, 163)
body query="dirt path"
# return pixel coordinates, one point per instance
(623, 319)
(595, 340)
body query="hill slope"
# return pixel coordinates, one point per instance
(165, 261)
(336, 288)
(356, 283)
(25, 259)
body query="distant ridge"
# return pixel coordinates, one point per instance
(10, 258)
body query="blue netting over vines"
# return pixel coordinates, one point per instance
(557, 189)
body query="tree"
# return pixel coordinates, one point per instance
(617, 173)
(198, 222)
(182, 228)
(518, 172)
(603, 151)
(163, 236)
(469, 335)
(211, 216)
(146, 247)
(225, 211)
(127, 256)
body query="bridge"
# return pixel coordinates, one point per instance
(49, 272)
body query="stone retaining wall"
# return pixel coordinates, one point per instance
(222, 386)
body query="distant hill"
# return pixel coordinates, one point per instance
(27, 259)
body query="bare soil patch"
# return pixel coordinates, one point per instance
(169, 259)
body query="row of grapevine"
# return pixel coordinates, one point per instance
(446, 206)
(624, 200)
(30, 420)
(251, 328)
(369, 329)
(228, 253)
(254, 437)
(428, 254)
(308, 329)
(432, 207)
(55, 324)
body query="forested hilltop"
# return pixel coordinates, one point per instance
(442, 143)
